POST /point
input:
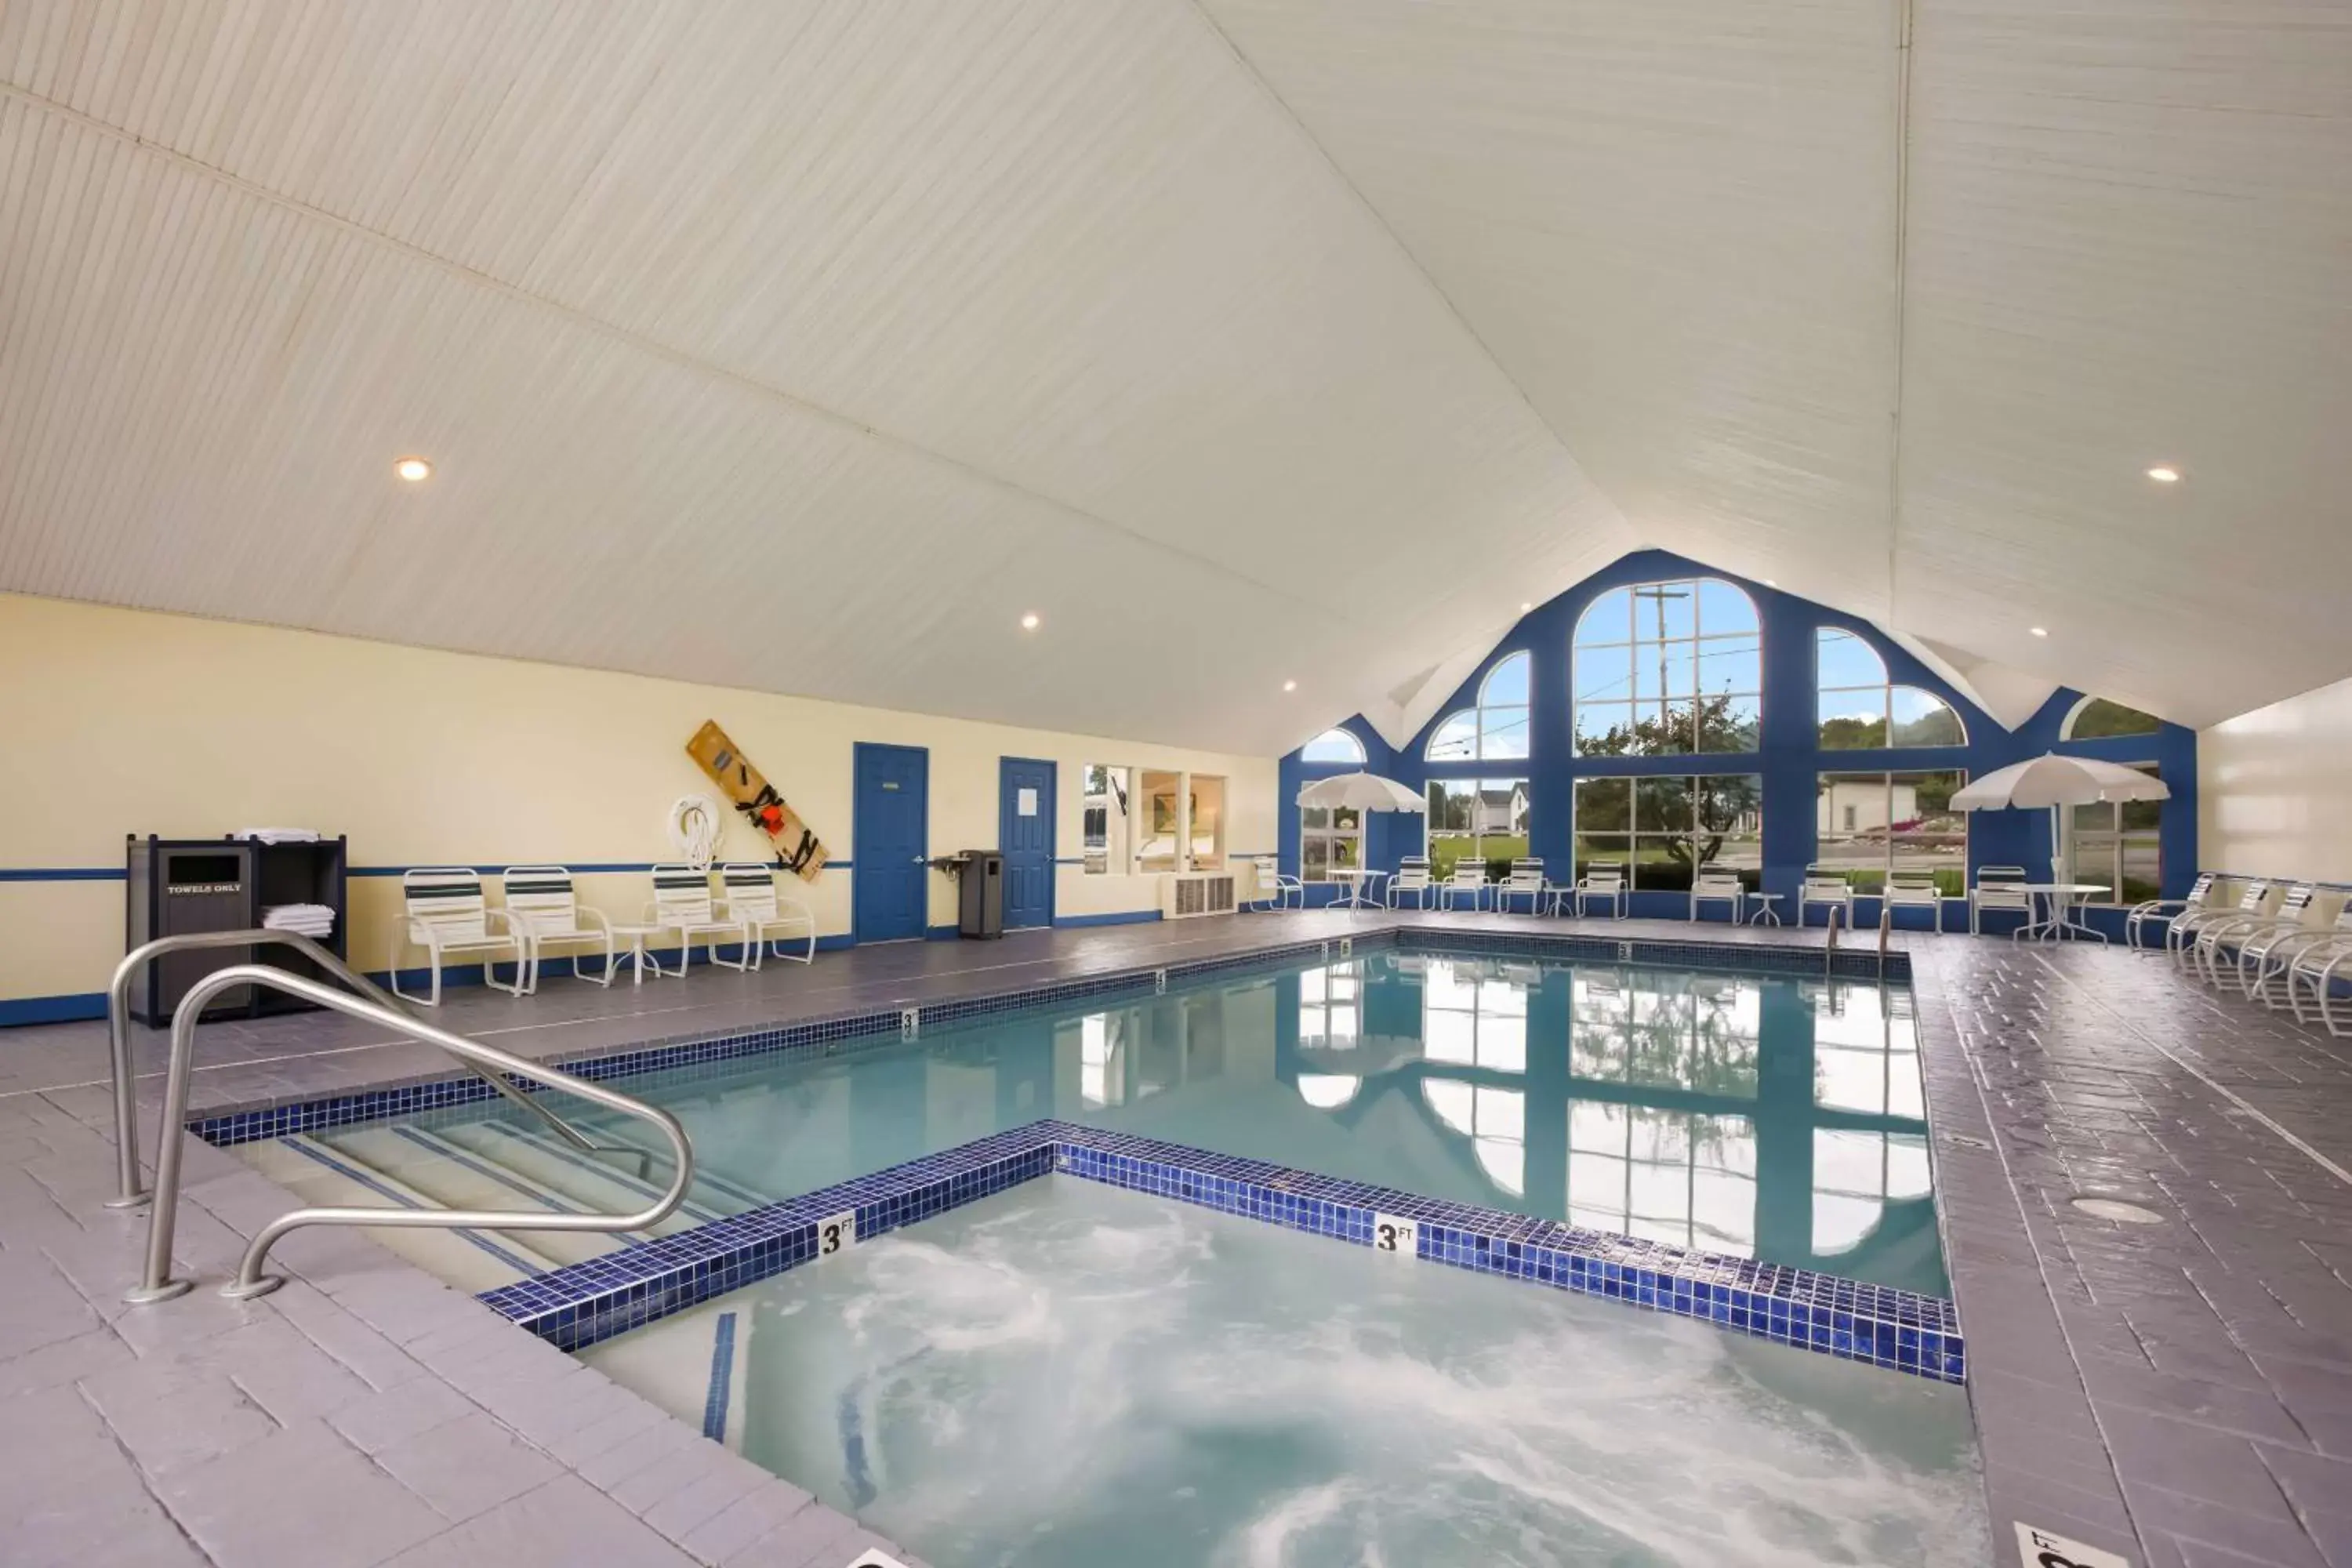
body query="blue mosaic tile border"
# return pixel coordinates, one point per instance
(587, 1303)
(827, 1036)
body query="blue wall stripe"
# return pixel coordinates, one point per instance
(1129, 917)
(66, 1009)
(62, 874)
(723, 1374)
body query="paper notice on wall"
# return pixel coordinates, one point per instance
(1028, 806)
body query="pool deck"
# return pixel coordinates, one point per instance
(2179, 1394)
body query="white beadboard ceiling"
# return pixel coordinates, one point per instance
(803, 346)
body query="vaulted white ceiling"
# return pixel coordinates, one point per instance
(805, 346)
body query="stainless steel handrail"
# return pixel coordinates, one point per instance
(1829, 953)
(157, 1284)
(126, 1094)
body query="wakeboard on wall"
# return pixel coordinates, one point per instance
(797, 849)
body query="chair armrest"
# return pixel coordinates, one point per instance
(582, 913)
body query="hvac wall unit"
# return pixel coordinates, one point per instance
(1186, 894)
(181, 885)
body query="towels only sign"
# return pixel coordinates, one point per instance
(837, 1235)
(1398, 1237)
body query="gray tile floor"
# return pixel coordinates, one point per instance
(2178, 1393)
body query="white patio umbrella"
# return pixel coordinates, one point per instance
(2056, 782)
(1362, 792)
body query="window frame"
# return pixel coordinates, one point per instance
(1887, 691)
(1331, 835)
(1478, 710)
(1360, 759)
(2115, 840)
(1611, 843)
(1887, 866)
(1477, 786)
(1639, 647)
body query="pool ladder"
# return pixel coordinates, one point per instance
(497, 1068)
(1829, 953)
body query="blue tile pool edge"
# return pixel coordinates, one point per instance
(586, 1303)
(834, 1036)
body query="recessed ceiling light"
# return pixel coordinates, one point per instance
(1029, 622)
(1770, 583)
(416, 470)
(1290, 685)
(1526, 605)
(2038, 631)
(2164, 476)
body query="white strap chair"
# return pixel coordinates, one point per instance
(1275, 889)
(1914, 891)
(2221, 943)
(2161, 913)
(2002, 889)
(2180, 938)
(2274, 955)
(752, 902)
(1718, 885)
(444, 913)
(544, 911)
(1527, 881)
(1825, 885)
(1468, 878)
(682, 903)
(1603, 880)
(2319, 967)
(1412, 879)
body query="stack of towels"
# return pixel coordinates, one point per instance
(315, 920)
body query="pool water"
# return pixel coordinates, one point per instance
(1762, 1116)
(1067, 1374)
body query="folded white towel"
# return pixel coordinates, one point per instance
(309, 920)
(278, 834)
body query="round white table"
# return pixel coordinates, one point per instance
(2058, 900)
(1362, 881)
(637, 955)
(1764, 913)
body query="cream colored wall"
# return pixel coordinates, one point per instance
(2272, 786)
(118, 721)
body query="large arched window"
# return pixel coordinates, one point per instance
(1862, 710)
(2096, 718)
(1666, 669)
(1496, 730)
(1333, 746)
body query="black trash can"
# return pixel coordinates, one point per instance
(980, 893)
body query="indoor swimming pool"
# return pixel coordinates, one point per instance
(1749, 1116)
(1067, 1374)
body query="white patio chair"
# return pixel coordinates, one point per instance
(2218, 943)
(2320, 965)
(444, 913)
(544, 909)
(750, 899)
(1466, 878)
(1912, 890)
(1603, 880)
(1412, 879)
(1718, 885)
(1824, 885)
(2001, 889)
(1273, 890)
(2273, 955)
(1527, 882)
(2163, 912)
(2180, 938)
(681, 903)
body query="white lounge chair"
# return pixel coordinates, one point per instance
(1914, 891)
(1468, 878)
(1603, 880)
(1527, 881)
(2272, 956)
(444, 913)
(1824, 886)
(2161, 913)
(751, 900)
(1718, 885)
(2001, 889)
(2181, 936)
(682, 903)
(1276, 890)
(2319, 966)
(1412, 879)
(2220, 942)
(543, 905)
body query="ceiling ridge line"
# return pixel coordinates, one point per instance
(1372, 210)
(654, 347)
(1906, 39)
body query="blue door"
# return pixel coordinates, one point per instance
(891, 829)
(1025, 833)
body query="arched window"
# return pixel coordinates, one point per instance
(1333, 746)
(2096, 718)
(1495, 730)
(1666, 669)
(1861, 710)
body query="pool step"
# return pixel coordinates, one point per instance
(603, 1182)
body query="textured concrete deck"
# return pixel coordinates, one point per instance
(2178, 1393)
